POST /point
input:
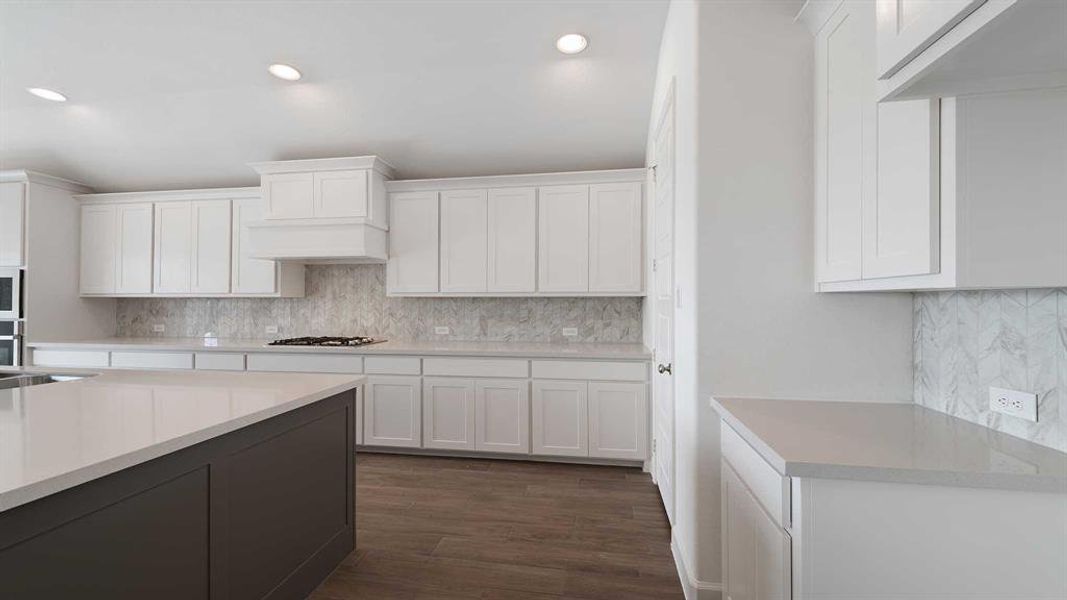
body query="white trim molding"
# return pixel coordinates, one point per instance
(345, 163)
(693, 588)
(15, 175)
(521, 180)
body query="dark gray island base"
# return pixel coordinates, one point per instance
(263, 512)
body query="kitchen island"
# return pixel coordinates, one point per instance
(176, 485)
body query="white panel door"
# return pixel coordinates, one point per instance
(907, 27)
(211, 246)
(12, 223)
(502, 415)
(512, 261)
(392, 414)
(844, 138)
(341, 193)
(757, 555)
(464, 243)
(134, 251)
(563, 239)
(560, 418)
(618, 420)
(249, 275)
(615, 240)
(173, 248)
(448, 413)
(288, 195)
(98, 259)
(901, 222)
(413, 225)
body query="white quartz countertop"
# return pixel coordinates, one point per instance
(58, 435)
(591, 350)
(902, 443)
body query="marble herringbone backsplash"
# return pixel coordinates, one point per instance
(350, 300)
(965, 342)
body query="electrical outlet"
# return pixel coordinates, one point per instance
(1018, 404)
(158, 328)
(570, 332)
(271, 329)
(441, 330)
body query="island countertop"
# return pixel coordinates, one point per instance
(59, 435)
(587, 350)
(903, 443)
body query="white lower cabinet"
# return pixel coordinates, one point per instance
(756, 551)
(392, 415)
(448, 413)
(502, 415)
(359, 419)
(560, 418)
(618, 420)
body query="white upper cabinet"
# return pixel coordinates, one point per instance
(907, 27)
(173, 248)
(464, 240)
(98, 249)
(341, 193)
(289, 195)
(249, 275)
(512, 252)
(563, 243)
(413, 243)
(12, 223)
(211, 245)
(844, 132)
(133, 255)
(616, 221)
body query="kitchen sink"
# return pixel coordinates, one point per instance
(14, 380)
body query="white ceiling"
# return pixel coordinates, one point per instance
(176, 94)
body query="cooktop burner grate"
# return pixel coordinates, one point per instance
(326, 341)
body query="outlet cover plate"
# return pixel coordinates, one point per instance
(158, 328)
(570, 332)
(271, 329)
(1022, 405)
(440, 330)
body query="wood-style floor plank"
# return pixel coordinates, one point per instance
(465, 529)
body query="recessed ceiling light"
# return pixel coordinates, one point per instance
(572, 43)
(47, 94)
(284, 72)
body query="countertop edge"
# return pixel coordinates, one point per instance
(16, 497)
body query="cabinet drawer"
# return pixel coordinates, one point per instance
(220, 361)
(70, 358)
(305, 363)
(392, 365)
(152, 360)
(475, 367)
(580, 369)
(769, 486)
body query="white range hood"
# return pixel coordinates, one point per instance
(329, 210)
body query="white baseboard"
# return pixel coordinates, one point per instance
(693, 588)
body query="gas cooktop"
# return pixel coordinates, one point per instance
(326, 341)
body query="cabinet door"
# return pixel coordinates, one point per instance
(211, 247)
(901, 222)
(12, 223)
(412, 265)
(98, 232)
(289, 195)
(464, 241)
(392, 415)
(563, 240)
(341, 193)
(134, 251)
(844, 138)
(249, 275)
(512, 260)
(615, 240)
(757, 558)
(907, 27)
(502, 415)
(618, 420)
(173, 247)
(448, 413)
(560, 418)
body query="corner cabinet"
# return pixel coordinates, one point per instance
(932, 193)
(188, 243)
(518, 235)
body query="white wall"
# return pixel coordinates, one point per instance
(749, 323)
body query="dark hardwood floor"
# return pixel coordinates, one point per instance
(457, 528)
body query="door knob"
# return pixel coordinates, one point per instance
(664, 368)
